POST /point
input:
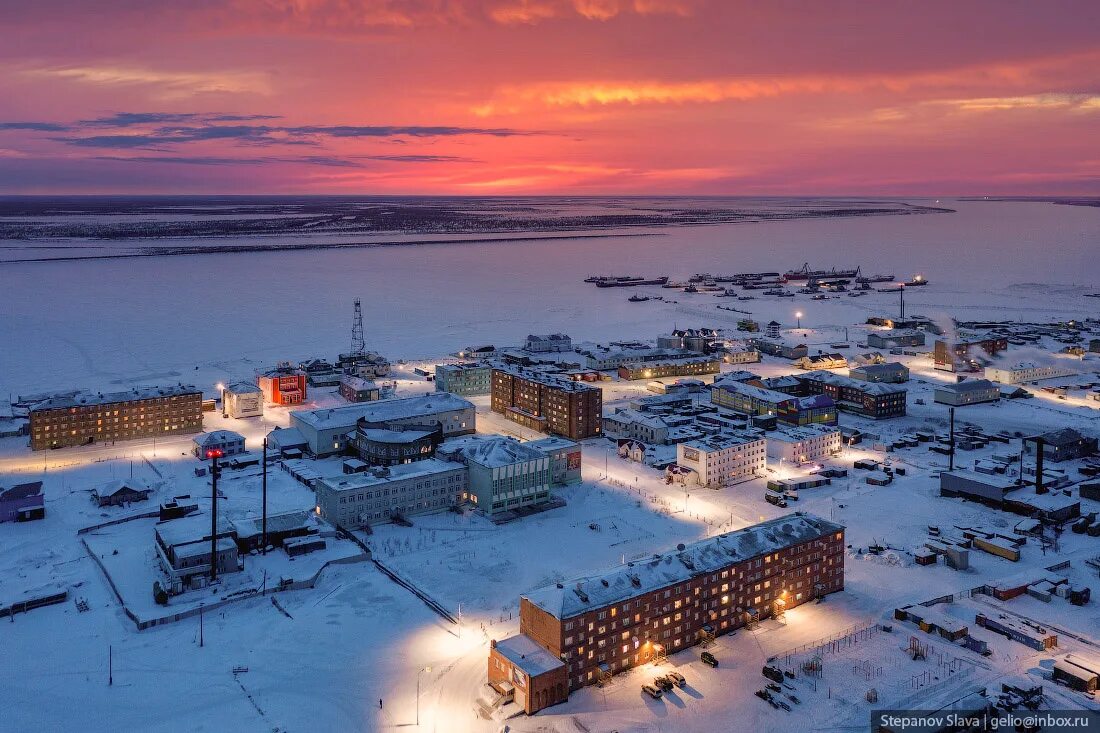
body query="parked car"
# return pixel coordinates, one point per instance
(652, 691)
(708, 659)
(678, 678)
(663, 683)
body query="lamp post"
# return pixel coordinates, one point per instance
(422, 669)
(213, 454)
(225, 410)
(798, 318)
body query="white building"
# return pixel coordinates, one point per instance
(326, 430)
(356, 500)
(225, 441)
(798, 445)
(1026, 372)
(504, 473)
(243, 399)
(724, 459)
(548, 342)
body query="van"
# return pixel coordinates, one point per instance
(708, 659)
(652, 691)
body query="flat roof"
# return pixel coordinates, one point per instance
(491, 451)
(524, 652)
(579, 595)
(841, 381)
(380, 476)
(382, 410)
(109, 398)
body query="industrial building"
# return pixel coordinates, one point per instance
(548, 403)
(326, 430)
(467, 379)
(895, 337)
(1064, 445)
(963, 355)
(378, 495)
(86, 418)
(1008, 494)
(600, 625)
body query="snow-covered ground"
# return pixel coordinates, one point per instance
(326, 657)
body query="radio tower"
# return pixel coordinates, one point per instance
(358, 343)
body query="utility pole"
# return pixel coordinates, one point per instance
(264, 493)
(951, 443)
(200, 625)
(110, 665)
(213, 455)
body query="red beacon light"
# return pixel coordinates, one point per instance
(213, 453)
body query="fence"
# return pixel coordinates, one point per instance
(830, 644)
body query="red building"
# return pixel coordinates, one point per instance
(283, 385)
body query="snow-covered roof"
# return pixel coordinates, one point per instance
(579, 595)
(491, 451)
(110, 398)
(217, 437)
(759, 393)
(969, 385)
(377, 476)
(382, 410)
(524, 652)
(722, 441)
(381, 435)
(286, 437)
(20, 492)
(838, 380)
(552, 443)
(111, 488)
(357, 383)
(242, 388)
(794, 434)
(282, 522)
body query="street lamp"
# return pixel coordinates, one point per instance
(423, 669)
(798, 317)
(225, 410)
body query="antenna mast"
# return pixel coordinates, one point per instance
(358, 343)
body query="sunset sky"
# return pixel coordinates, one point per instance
(480, 97)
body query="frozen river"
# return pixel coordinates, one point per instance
(94, 322)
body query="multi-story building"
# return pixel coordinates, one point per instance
(959, 355)
(600, 625)
(602, 358)
(685, 367)
(382, 446)
(358, 389)
(547, 402)
(788, 409)
(86, 418)
(326, 430)
(357, 500)
(725, 458)
(243, 399)
(565, 458)
(1025, 372)
(894, 337)
(739, 355)
(467, 379)
(283, 385)
(889, 373)
(803, 445)
(967, 392)
(548, 343)
(504, 473)
(869, 399)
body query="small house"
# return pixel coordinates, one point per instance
(225, 442)
(22, 502)
(121, 493)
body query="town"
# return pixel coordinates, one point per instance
(897, 512)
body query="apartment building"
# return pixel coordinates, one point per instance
(600, 625)
(463, 379)
(807, 444)
(1026, 372)
(875, 400)
(724, 459)
(86, 418)
(787, 409)
(548, 403)
(692, 366)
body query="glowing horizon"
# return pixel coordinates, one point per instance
(523, 97)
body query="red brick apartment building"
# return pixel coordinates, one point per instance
(549, 403)
(591, 628)
(957, 356)
(87, 418)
